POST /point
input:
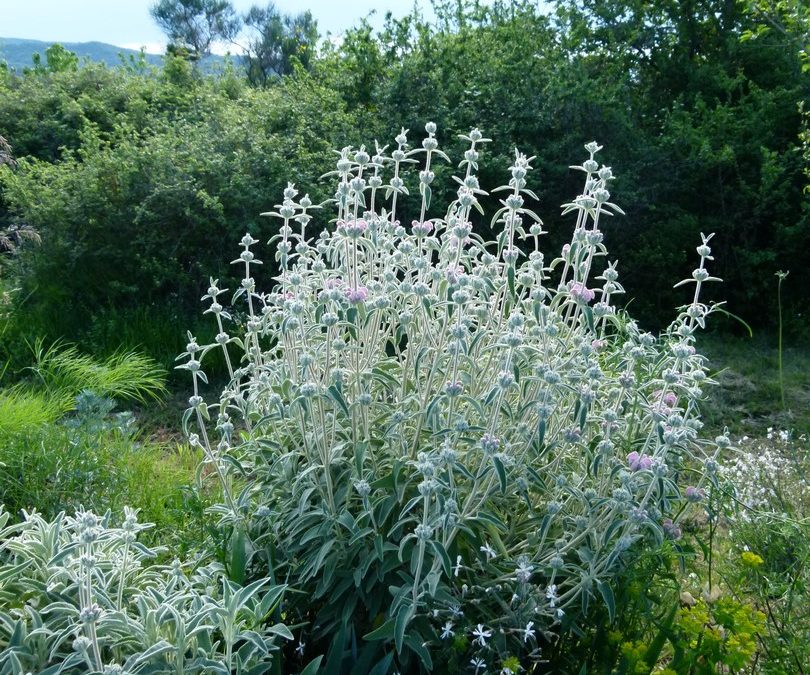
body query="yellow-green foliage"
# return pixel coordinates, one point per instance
(123, 375)
(62, 372)
(723, 632)
(633, 654)
(22, 409)
(55, 455)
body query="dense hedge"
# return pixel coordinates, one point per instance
(136, 179)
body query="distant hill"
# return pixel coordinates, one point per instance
(18, 53)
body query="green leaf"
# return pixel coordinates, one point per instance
(335, 656)
(312, 666)
(588, 313)
(607, 596)
(501, 472)
(238, 561)
(383, 665)
(441, 552)
(7, 573)
(281, 630)
(384, 632)
(430, 411)
(583, 416)
(246, 593)
(359, 456)
(416, 643)
(402, 620)
(657, 645)
(541, 433)
(337, 397)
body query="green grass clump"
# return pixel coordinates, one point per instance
(749, 397)
(21, 409)
(62, 446)
(122, 375)
(62, 468)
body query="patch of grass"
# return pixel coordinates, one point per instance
(158, 332)
(62, 446)
(123, 374)
(60, 468)
(22, 409)
(748, 397)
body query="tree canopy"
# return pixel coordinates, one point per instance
(278, 41)
(196, 24)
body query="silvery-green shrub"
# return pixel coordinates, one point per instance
(448, 447)
(79, 595)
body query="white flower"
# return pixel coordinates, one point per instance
(529, 631)
(524, 572)
(457, 568)
(447, 630)
(478, 664)
(551, 595)
(486, 548)
(481, 635)
(300, 648)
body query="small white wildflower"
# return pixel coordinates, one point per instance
(490, 552)
(524, 572)
(528, 632)
(447, 630)
(457, 568)
(551, 595)
(300, 648)
(478, 664)
(481, 635)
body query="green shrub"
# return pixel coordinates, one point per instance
(135, 211)
(80, 595)
(452, 455)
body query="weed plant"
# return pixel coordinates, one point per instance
(766, 505)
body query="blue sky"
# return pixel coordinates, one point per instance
(127, 23)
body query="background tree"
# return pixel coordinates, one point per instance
(277, 42)
(196, 24)
(57, 60)
(788, 18)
